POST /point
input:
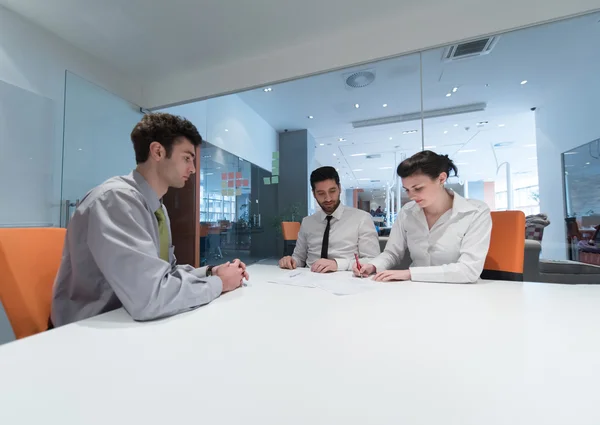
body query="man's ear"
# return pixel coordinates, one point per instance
(157, 151)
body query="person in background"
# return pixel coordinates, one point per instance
(329, 239)
(118, 249)
(448, 236)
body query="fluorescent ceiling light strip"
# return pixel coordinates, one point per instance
(435, 113)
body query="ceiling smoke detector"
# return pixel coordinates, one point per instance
(359, 79)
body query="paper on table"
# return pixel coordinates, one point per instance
(331, 283)
(297, 278)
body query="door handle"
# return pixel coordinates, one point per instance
(68, 206)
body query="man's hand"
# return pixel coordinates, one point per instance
(236, 263)
(324, 266)
(288, 263)
(231, 274)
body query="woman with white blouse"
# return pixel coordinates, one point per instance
(447, 236)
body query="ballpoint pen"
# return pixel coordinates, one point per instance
(358, 266)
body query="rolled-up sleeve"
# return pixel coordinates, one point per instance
(473, 252)
(122, 247)
(301, 250)
(368, 244)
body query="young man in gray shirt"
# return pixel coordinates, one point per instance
(118, 250)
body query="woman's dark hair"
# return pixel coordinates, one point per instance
(427, 162)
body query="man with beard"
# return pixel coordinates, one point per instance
(329, 239)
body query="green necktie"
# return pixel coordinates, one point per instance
(163, 234)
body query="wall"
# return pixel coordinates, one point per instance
(295, 175)
(229, 123)
(569, 120)
(35, 60)
(422, 25)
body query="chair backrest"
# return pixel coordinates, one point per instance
(29, 262)
(290, 230)
(505, 257)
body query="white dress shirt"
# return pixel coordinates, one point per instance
(351, 232)
(453, 251)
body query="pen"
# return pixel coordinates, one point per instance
(358, 265)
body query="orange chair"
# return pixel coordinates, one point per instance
(506, 255)
(29, 261)
(290, 230)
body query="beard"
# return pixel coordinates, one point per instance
(329, 210)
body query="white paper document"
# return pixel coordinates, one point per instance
(335, 283)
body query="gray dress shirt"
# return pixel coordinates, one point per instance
(111, 259)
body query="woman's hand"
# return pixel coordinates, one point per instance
(392, 275)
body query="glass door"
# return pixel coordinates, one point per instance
(96, 143)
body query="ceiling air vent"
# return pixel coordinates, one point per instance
(374, 156)
(359, 79)
(470, 49)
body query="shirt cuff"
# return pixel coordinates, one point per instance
(378, 263)
(342, 264)
(199, 272)
(427, 274)
(216, 285)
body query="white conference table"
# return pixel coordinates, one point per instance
(406, 353)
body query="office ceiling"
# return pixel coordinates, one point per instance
(152, 39)
(551, 59)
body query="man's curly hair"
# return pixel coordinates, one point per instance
(164, 129)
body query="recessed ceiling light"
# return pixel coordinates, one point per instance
(467, 150)
(321, 144)
(358, 169)
(501, 125)
(364, 179)
(334, 155)
(409, 132)
(310, 117)
(455, 125)
(385, 168)
(79, 149)
(385, 105)
(209, 174)
(455, 89)
(267, 89)
(445, 131)
(356, 105)
(587, 163)
(341, 139)
(523, 82)
(359, 154)
(226, 130)
(449, 94)
(391, 138)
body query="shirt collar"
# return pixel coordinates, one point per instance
(460, 205)
(147, 192)
(337, 214)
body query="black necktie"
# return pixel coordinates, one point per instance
(325, 246)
